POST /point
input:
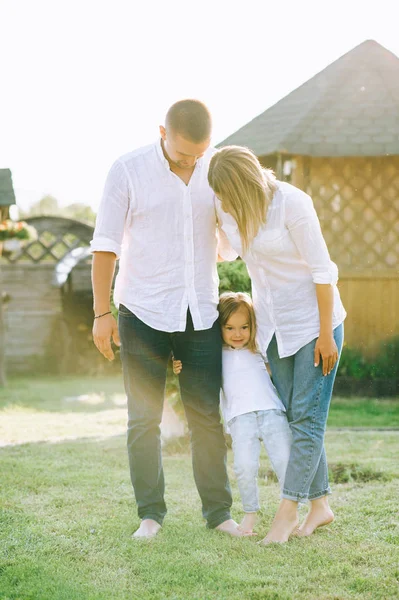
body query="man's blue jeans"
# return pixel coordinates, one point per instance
(145, 353)
(306, 394)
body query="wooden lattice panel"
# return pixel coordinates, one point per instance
(357, 200)
(56, 237)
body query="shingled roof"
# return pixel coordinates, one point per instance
(351, 108)
(7, 196)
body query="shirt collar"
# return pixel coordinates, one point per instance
(231, 349)
(160, 153)
(158, 147)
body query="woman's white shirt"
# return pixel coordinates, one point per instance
(246, 385)
(285, 261)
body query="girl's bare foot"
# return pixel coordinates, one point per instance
(148, 529)
(284, 524)
(248, 522)
(319, 514)
(231, 527)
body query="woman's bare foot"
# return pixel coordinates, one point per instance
(148, 529)
(248, 522)
(319, 514)
(232, 528)
(284, 523)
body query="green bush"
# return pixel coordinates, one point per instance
(234, 277)
(386, 363)
(353, 364)
(384, 366)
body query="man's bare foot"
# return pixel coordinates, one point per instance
(248, 522)
(319, 514)
(284, 523)
(231, 527)
(148, 529)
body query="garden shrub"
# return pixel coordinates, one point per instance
(233, 277)
(385, 365)
(353, 364)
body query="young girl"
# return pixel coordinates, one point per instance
(251, 408)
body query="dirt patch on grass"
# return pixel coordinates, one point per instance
(340, 473)
(348, 472)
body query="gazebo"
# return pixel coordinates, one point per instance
(7, 196)
(337, 138)
(50, 309)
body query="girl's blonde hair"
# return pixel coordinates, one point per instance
(244, 187)
(229, 303)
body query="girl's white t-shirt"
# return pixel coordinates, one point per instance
(246, 385)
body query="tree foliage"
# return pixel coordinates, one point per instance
(49, 206)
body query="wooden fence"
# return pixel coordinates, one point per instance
(372, 304)
(357, 201)
(35, 304)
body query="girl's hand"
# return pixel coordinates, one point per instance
(177, 366)
(326, 348)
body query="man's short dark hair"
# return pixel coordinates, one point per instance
(191, 119)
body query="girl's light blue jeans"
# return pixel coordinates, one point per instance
(247, 432)
(306, 394)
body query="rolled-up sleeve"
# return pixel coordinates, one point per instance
(225, 250)
(303, 224)
(112, 213)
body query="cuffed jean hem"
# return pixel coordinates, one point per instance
(294, 497)
(218, 520)
(251, 509)
(156, 518)
(304, 497)
(317, 495)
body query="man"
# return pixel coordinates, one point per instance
(158, 215)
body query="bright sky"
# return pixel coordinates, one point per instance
(84, 81)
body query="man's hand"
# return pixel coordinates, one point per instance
(103, 329)
(326, 348)
(177, 366)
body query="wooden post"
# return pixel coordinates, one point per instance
(298, 173)
(279, 166)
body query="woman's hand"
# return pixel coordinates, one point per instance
(326, 348)
(177, 366)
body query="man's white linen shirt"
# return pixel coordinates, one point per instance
(285, 260)
(246, 385)
(165, 233)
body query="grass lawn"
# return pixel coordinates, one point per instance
(67, 510)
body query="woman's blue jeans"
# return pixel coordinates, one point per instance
(306, 394)
(145, 353)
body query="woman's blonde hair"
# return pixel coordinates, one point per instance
(229, 303)
(244, 187)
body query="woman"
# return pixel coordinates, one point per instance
(273, 226)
